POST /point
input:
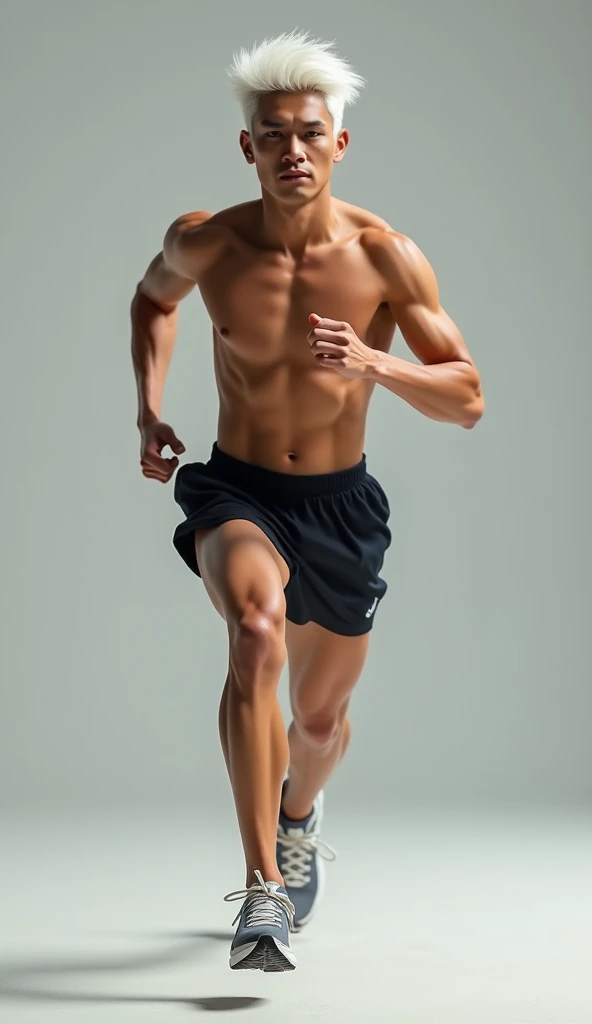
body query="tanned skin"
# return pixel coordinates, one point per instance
(305, 293)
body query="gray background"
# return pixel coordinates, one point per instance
(472, 136)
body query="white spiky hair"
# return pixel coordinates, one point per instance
(293, 63)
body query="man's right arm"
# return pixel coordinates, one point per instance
(154, 310)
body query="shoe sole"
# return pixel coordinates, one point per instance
(267, 954)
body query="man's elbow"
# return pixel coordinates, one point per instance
(473, 413)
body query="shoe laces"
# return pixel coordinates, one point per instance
(298, 850)
(263, 905)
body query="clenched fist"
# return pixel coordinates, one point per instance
(155, 436)
(336, 346)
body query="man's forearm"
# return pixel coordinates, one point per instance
(154, 333)
(449, 392)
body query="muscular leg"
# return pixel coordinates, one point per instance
(245, 577)
(324, 669)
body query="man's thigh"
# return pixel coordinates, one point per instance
(240, 565)
(324, 668)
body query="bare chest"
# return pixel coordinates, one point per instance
(259, 303)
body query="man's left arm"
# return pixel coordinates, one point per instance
(447, 387)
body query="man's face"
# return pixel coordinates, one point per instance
(293, 132)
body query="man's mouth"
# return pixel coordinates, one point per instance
(295, 174)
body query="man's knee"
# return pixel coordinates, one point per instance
(320, 729)
(257, 647)
(242, 570)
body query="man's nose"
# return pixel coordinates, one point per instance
(294, 149)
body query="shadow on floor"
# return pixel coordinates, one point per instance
(19, 981)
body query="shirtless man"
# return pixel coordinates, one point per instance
(284, 523)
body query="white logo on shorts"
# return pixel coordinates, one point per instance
(371, 610)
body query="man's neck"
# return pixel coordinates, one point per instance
(293, 229)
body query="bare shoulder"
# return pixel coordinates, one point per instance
(194, 240)
(239, 216)
(377, 236)
(399, 260)
(361, 219)
(197, 239)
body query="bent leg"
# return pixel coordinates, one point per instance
(245, 576)
(324, 668)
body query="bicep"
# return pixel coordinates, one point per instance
(164, 285)
(430, 333)
(414, 301)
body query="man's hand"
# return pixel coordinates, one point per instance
(336, 346)
(155, 436)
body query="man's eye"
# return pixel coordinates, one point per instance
(274, 134)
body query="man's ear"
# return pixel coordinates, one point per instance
(247, 148)
(341, 144)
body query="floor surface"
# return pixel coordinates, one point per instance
(426, 919)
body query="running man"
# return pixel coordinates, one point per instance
(284, 523)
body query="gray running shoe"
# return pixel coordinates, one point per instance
(299, 852)
(262, 940)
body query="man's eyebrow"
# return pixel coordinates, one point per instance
(268, 123)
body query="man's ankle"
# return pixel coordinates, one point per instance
(273, 875)
(295, 811)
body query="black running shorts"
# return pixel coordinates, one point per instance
(331, 529)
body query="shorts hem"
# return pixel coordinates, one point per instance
(184, 537)
(340, 631)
